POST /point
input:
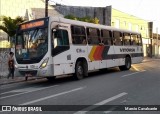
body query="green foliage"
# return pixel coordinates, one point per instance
(85, 19)
(70, 17)
(10, 25)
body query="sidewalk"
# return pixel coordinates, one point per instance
(4, 80)
(147, 59)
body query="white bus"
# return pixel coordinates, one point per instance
(54, 46)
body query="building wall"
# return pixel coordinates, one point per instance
(126, 20)
(14, 8)
(156, 44)
(102, 13)
(130, 22)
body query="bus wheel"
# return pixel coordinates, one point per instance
(51, 79)
(79, 70)
(127, 65)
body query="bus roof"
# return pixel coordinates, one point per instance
(81, 23)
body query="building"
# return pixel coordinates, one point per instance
(130, 22)
(29, 9)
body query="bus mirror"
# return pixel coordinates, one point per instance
(54, 30)
(55, 42)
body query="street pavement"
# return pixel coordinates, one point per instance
(4, 80)
(137, 86)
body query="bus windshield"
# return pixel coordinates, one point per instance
(31, 45)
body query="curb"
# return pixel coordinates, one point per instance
(17, 81)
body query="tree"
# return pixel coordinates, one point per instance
(10, 25)
(85, 19)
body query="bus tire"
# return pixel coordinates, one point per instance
(127, 65)
(79, 70)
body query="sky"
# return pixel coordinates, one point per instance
(145, 9)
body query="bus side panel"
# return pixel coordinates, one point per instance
(101, 57)
(134, 51)
(138, 57)
(63, 63)
(103, 64)
(110, 57)
(94, 58)
(78, 51)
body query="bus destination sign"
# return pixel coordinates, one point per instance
(32, 24)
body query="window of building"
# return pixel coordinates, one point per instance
(106, 36)
(117, 38)
(93, 36)
(129, 26)
(124, 24)
(136, 28)
(117, 23)
(126, 39)
(78, 35)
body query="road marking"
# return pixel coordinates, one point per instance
(31, 90)
(101, 103)
(132, 73)
(135, 68)
(107, 112)
(22, 90)
(55, 95)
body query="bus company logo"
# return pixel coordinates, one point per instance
(80, 50)
(127, 50)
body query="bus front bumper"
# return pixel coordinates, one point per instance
(44, 72)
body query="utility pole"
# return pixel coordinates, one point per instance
(46, 8)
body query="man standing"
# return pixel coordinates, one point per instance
(11, 65)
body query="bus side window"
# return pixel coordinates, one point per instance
(117, 38)
(78, 35)
(134, 39)
(126, 39)
(106, 37)
(93, 36)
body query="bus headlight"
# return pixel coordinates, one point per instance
(15, 66)
(44, 63)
